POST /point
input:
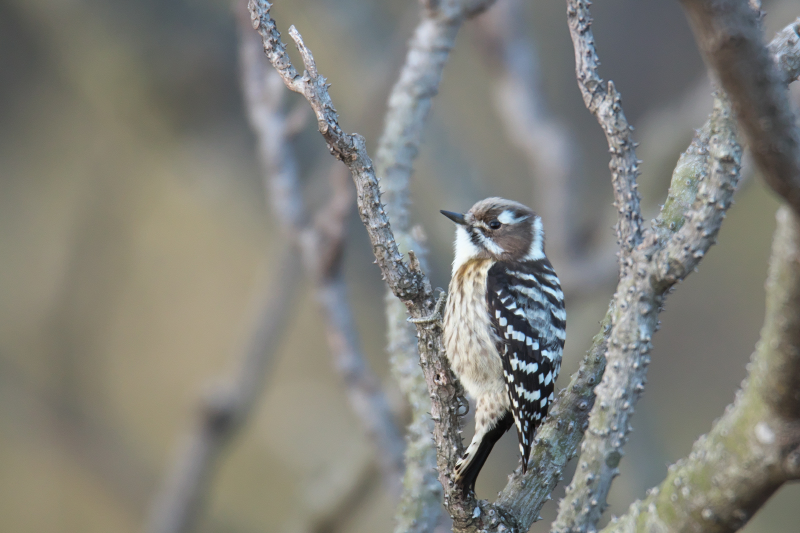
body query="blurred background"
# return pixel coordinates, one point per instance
(135, 237)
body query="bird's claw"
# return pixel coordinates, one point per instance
(438, 312)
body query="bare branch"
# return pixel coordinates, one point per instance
(679, 240)
(321, 244)
(730, 38)
(177, 505)
(603, 101)
(755, 447)
(407, 112)
(348, 148)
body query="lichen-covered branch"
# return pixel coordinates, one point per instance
(654, 267)
(730, 39)
(755, 447)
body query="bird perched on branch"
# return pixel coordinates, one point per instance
(504, 326)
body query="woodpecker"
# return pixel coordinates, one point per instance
(504, 326)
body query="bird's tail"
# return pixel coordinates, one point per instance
(469, 466)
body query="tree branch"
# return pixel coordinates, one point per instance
(755, 447)
(407, 112)
(729, 36)
(321, 244)
(603, 101)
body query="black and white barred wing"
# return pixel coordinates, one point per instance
(530, 344)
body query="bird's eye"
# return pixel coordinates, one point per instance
(495, 224)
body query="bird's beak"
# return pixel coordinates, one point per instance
(458, 218)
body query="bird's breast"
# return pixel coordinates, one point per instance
(469, 338)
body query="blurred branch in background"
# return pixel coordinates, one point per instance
(226, 408)
(407, 114)
(320, 246)
(553, 157)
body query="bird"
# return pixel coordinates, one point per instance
(504, 326)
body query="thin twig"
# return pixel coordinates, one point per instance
(603, 100)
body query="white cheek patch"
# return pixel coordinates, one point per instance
(465, 249)
(536, 251)
(490, 245)
(507, 217)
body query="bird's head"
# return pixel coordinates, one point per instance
(499, 229)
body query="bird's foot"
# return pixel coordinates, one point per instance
(437, 316)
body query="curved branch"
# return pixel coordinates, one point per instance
(671, 251)
(755, 447)
(729, 36)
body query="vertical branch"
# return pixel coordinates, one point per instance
(321, 244)
(603, 100)
(755, 447)
(406, 116)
